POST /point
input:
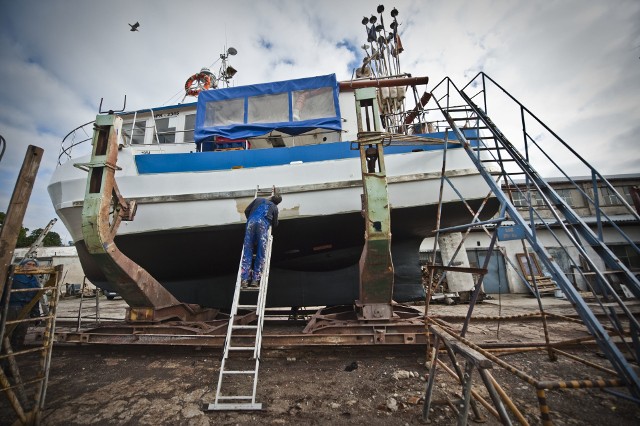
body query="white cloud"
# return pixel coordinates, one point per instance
(573, 63)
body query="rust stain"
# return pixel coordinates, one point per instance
(289, 212)
(242, 203)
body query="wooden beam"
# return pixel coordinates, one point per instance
(17, 209)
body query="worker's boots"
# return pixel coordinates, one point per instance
(254, 284)
(244, 284)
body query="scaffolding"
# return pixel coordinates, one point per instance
(25, 370)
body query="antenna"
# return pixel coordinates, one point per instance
(227, 72)
(100, 111)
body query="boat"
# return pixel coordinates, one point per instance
(193, 167)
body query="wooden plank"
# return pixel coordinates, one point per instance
(17, 209)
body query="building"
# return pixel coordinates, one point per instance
(53, 256)
(507, 263)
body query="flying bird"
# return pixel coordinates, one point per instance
(134, 27)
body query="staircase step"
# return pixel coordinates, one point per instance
(508, 174)
(459, 110)
(473, 128)
(487, 148)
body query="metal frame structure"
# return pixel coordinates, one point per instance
(497, 158)
(27, 395)
(480, 356)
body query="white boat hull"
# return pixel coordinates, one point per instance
(189, 226)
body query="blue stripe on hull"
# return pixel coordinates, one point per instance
(225, 160)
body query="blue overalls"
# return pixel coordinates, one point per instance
(256, 235)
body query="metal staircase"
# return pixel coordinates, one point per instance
(508, 171)
(238, 377)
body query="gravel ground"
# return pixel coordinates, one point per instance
(106, 385)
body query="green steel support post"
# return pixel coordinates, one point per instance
(376, 266)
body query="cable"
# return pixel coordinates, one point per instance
(3, 146)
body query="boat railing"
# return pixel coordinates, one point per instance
(74, 138)
(84, 133)
(159, 138)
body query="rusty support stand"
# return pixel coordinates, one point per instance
(406, 325)
(540, 385)
(473, 359)
(102, 211)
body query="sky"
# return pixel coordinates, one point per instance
(574, 63)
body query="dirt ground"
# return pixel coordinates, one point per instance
(139, 385)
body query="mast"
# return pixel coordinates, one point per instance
(381, 68)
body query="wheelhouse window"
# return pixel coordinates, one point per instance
(133, 133)
(224, 113)
(166, 133)
(189, 125)
(312, 104)
(268, 108)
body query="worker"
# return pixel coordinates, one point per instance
(261, 214)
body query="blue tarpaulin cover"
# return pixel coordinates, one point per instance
(292, 107)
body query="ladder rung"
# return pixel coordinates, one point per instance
(459, 110)
(247, 306)
(241, 348)
(239, 372)
(464, 118)
(245, 327)
(246, 406)
(235, 397)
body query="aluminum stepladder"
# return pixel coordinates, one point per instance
(240, 375)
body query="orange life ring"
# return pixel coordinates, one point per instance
(197, 83)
